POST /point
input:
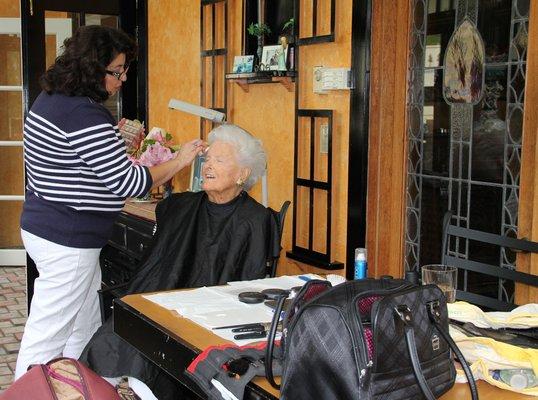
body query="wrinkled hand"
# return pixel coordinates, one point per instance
(189, 150)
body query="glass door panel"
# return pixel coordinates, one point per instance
(112, 103)
(10, 237)
(464, 153)
(11, 117)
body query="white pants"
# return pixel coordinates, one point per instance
(64, 313)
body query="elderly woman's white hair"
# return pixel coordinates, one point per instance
(250, 152)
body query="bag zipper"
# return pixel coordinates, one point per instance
(44, 370)
(353, 312)
(82, 380)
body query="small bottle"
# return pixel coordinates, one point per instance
(361, 265)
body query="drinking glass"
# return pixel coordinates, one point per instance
(444, 276)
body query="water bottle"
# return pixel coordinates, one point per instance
(361, 265)
(517, 378)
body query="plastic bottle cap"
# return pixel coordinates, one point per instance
(519, 381)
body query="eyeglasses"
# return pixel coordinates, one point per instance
(118, 75)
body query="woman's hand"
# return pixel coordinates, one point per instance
(188, 151)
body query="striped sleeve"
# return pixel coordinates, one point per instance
(95, 139)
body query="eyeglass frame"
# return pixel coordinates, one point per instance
(118, 75)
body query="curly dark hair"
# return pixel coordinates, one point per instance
(80, 70)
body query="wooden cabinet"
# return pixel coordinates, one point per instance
(131, 237)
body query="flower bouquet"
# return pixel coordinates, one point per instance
(153, 149)
(149, 150)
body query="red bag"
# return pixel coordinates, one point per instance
(60, 379)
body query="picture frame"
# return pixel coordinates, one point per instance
(274, 58)
(243, 64)
(196, 173)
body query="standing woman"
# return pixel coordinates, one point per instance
(78, 179)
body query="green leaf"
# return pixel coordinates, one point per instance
(258, 29)
(289, 24)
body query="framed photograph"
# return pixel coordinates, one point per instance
(274, 58)
(243, 64)
(196, 173)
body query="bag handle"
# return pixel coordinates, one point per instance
(271, 341)
(404, 313)
(435, 317)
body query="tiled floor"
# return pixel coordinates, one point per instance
(12, 319)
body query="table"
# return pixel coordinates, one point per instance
(172, 342)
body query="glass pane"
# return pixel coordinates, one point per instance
(58, 27)
(465, 148)
(321, 149)
(10, 58)
(303, 217)
(103, 20)
(220, 25)
(436, 119)
(319, 241)
(113, 102)
(10, 236)
(11, 115)
(489, 128)
(303, 148)
(220, 82)
(208, 75)
(11, 175)
(435, 195)
(207, 18)
(323, 17)
(494, 26)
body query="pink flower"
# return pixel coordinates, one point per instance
(156, 134)
(156, 154)
(154, 149)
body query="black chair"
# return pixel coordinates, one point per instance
(280, 218)
(517, 245)
(108, 294)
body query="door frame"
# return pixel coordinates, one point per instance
(358, 130)
(132, 19)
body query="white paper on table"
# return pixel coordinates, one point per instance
(285, 282)
(196, 301)
(250, 314)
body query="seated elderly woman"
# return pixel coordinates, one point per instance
(207, 238)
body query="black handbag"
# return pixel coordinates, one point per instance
(365, 339)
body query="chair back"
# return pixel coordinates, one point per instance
(280, 217)
(450, 257)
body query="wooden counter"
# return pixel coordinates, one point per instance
(141, 209)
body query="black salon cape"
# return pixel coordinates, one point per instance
(234, 249)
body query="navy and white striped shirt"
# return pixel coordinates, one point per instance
(77, 171)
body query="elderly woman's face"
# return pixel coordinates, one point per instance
(116, 74)
(221, 172)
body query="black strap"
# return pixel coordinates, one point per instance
(271, 342)
(434, 315)
(405, 315)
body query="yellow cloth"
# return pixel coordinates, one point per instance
(522, 317)
(486, 354)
